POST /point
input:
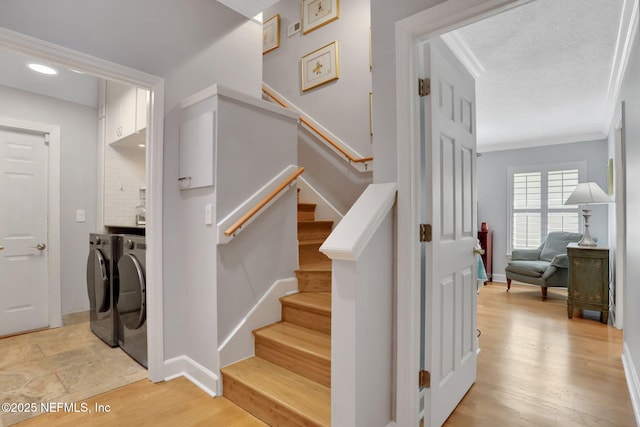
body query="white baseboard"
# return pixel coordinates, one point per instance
(325, 211)
(502, 278)
(239, 344)
(632, 381)
(184, 366)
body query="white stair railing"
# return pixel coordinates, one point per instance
(362, 322)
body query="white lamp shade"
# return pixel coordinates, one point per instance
(588, 193)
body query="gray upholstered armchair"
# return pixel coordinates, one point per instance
(547, 265)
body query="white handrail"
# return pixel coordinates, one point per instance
(349, 238)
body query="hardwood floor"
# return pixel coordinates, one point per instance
(174, 403)
(536, 368)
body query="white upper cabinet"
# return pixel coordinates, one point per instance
(126, 113)
(142, 101)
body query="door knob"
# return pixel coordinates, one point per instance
(41, 246)
(478, 251)
(1, 247)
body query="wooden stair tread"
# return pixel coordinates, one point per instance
(310, 242)
(316, 265)
(306, 398)
(314, 279)
(306, 212)
(298, 338)
(314, 230)
(318, 302)
(320, 269)
(315, 224)
(306, 206)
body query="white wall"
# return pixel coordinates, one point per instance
(630, 94)
(492, 184)
(266, 251)
(384, 14)
(78, 145)
(342, 106)
(189, 245)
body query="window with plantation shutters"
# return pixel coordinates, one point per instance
(527, 209)
(537, 196)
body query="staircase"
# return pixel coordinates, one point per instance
(287, 382)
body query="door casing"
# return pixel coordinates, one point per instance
(410, 32)
(35, 48)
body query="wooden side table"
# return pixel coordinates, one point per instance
(588, 279)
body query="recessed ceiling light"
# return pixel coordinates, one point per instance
(141, 145)
(76, 71)
(42, 69)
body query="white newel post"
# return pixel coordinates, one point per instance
(362, 327)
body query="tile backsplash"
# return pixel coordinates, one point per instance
(124, 174)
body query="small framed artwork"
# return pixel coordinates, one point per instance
(271, 34)
(316, 13)
(320, 66)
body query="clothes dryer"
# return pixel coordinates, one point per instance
(131, 300)
(102, 286)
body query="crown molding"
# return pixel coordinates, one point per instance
(461, 50)
(626, 32)
(535, 143)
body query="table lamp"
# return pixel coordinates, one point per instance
(587, 193)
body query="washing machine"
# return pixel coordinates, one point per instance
(131, 299)
(102, 286)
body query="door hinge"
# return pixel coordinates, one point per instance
(47, 138)
(425, 232)
(424, 87)
(424, 379)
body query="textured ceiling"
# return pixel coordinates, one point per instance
(544, 72)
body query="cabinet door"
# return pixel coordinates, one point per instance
(142, 102)
(197, 150)
(121, 111)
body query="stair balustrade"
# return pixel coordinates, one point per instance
(360, 248)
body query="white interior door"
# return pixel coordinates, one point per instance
(449, 345)
(23, 231)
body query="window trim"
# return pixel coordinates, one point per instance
(544, 169)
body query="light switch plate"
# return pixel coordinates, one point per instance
(80, 215)
(208, 215)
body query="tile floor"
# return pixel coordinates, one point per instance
(67, 364)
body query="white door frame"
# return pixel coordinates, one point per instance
(410, 32)
(53, 211)
(26, 45)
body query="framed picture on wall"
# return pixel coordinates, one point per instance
(316, 13)
(320, 66)
(271, 34)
